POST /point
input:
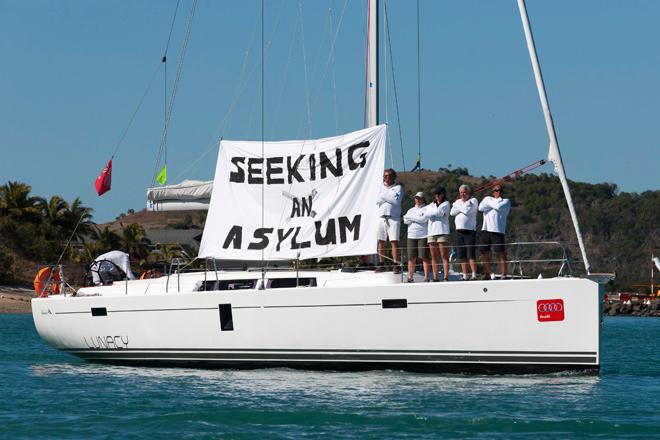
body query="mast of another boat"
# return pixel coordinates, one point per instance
(553, 155)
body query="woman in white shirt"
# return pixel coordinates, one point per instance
(437, 213)
(417, 223)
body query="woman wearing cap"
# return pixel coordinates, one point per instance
(438, 232)
(417, 222)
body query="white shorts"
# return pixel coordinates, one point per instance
(388, 229)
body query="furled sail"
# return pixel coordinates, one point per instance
(296, 199)
(184, 196)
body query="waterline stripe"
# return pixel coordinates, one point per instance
(301, 357)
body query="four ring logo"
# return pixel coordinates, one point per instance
(550, 310)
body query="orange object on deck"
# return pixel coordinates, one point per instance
(41, 280)
(151, 273)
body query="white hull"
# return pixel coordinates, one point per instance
(476, 326)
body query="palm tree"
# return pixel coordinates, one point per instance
(105, 240)
(16, 202)
(80, 215)
(53, 210)
(134, 241)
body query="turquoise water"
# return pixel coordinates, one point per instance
(45, 393)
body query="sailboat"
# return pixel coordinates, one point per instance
(306, 199)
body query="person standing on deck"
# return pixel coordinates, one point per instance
(465, 210)
(495, 210)
(389, 207)
(417, 220)
(438, 234)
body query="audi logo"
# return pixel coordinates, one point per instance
(550, 307)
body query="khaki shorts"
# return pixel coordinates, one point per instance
(444, 238)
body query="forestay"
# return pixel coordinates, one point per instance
(319, 198)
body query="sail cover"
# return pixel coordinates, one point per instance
(296, 199)
(187, 195)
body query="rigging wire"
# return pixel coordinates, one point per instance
(169, 36)
(396, 95)
(419, 104)
(177, 78)
(137, 109)
(148, 88)
(286, 71)
(263, 198)
(387, 99)
(332, 57)
(366, 64)
(311, 98)
(164, 61)
(255, 103)
(330, 62)
(302, 39)
(512, 175)
(241, 87)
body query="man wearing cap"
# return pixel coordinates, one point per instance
(389, 207)
(465, 210)
(438, 232)
(495, 210)
(417, 222)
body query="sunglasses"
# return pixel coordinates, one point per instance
(497, 190)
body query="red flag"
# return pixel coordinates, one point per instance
(105, 178)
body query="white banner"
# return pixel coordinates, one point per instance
(319, 198)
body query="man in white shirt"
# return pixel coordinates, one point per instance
(495, 210)
(417, 221)
(389, 208)
(465, 210)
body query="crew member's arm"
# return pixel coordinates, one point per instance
(496, 204)
(380, 200)
(504, 205)
(472, 207)
(391, 195)
(484, 206)
(456, 208)
(443, 209)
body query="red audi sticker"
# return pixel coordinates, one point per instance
(550, 310)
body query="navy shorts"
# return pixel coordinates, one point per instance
(492, 240)
(465, 241)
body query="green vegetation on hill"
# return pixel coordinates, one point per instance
(619, 228)
(35, 230)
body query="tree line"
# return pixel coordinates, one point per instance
(35, 231)
(619, 228)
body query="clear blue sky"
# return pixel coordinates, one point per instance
(73, 72)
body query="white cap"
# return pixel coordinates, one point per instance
(420, 195)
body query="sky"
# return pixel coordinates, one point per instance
(73, 73)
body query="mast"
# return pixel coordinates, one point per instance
(372, 64)
(553, 154)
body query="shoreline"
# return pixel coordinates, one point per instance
(15, 299)
(617, 308)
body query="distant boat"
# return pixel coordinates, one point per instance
(323, 191)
